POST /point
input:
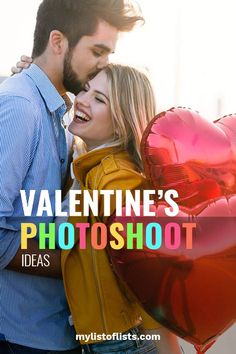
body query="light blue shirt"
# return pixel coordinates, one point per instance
(33, 155)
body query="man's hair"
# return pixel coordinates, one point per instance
(78, 18)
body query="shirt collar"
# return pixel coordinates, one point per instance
(51, 96)
(68, 102)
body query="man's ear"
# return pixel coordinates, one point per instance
(58, 42)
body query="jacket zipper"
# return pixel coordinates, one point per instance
(98, 287)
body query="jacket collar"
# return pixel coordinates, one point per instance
(84, 163)
(51, 96)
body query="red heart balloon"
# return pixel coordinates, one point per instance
(183, 151)
(191, 292)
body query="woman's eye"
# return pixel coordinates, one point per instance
(100, 100)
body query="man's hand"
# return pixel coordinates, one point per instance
(24, 63)
(52, 271)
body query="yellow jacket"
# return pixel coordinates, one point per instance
(98, 301)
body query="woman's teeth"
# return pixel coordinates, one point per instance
(82, 116)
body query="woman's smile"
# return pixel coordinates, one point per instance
(81, 117)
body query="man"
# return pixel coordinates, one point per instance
(72, 42)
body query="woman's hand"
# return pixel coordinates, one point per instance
(24, 63)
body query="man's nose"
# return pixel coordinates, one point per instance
(103, 62)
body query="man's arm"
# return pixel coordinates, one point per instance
(18, 143)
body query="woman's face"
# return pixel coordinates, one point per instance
(92, 116)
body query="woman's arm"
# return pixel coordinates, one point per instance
(125, 179)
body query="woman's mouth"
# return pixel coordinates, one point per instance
(81, 117)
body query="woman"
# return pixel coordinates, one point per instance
(110, 116)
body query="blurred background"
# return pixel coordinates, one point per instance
(187, 46)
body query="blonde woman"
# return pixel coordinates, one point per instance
(110, 115)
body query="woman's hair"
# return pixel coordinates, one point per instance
(132, 105)
(78, 18)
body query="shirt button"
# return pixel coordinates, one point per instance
(62, 161)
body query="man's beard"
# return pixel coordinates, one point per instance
(70, 80)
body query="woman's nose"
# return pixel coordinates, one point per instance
(83, 99)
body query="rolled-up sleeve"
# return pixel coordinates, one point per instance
(19, 131)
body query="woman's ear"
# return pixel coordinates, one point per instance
(58, 42)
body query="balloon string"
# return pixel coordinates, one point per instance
(201, 350)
